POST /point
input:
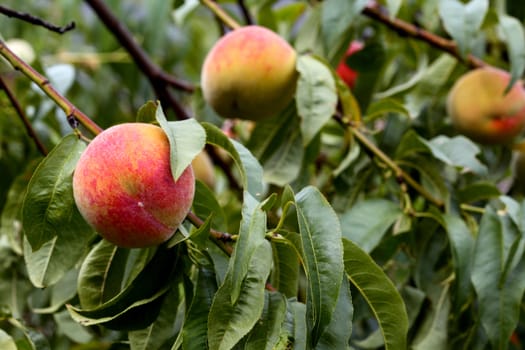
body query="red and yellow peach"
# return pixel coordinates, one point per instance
(124, 188)
(481, 109)
(249, 74)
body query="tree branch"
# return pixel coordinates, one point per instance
(36, 21)
(49, 90)
(248, 18)
(221, 14)
(375, 12)
(400, 173)
(21, 114)
(156, 76)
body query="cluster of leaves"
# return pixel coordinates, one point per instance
(364, 220)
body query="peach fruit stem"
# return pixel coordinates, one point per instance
(49, 90)
(221, 14)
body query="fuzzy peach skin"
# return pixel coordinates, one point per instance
(480, 109)
(123, 186)
(249, 74)
(203, 169)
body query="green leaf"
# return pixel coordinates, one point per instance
(309, 38)
(316, 96)
(268, 331)
(284, 165)
(478, 191)
(103, 272)
(337, 334)
(433, 334)
(227, 323)
(337, 19)
(70, 328)
(251, 235)
(6, 341)
(499, 295)
(462, 246)
(205, 204)
(421, 58)
(463, 21)
(138, 315)
(11, 218)
(248, 166)
(297, 312)
(159, 332)
(278, 145)
(195, 329)
(147, 112)
(187, 139)
(54, 259)
(285, 272)
(143, 295)
(388, 105)
(61, 292)
(411, 145)
(367, 233)
(320, 233)
(457, 151)
(513, 33)
(49, 211)
(199, 235)
(376, 288)
(393, 7)
(436, 77)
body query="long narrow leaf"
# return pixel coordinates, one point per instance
(248, 166)
(380, 294)
(228, 323)
(320, 233)
(49, 210)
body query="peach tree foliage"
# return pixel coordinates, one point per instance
(361, 218)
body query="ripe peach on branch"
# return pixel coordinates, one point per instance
(481, 109)
(249, 74)
(124, 188)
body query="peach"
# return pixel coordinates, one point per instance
(203, 169)
(347, 74)
(124, 188)
(249, 74)
(480, 108)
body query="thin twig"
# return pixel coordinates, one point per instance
(220, 238)
(48, 89)
(36, 21)
(21, 114)
(221, 14)
(400, 173)
(374, 12)
(248, 18)
(156, 76)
